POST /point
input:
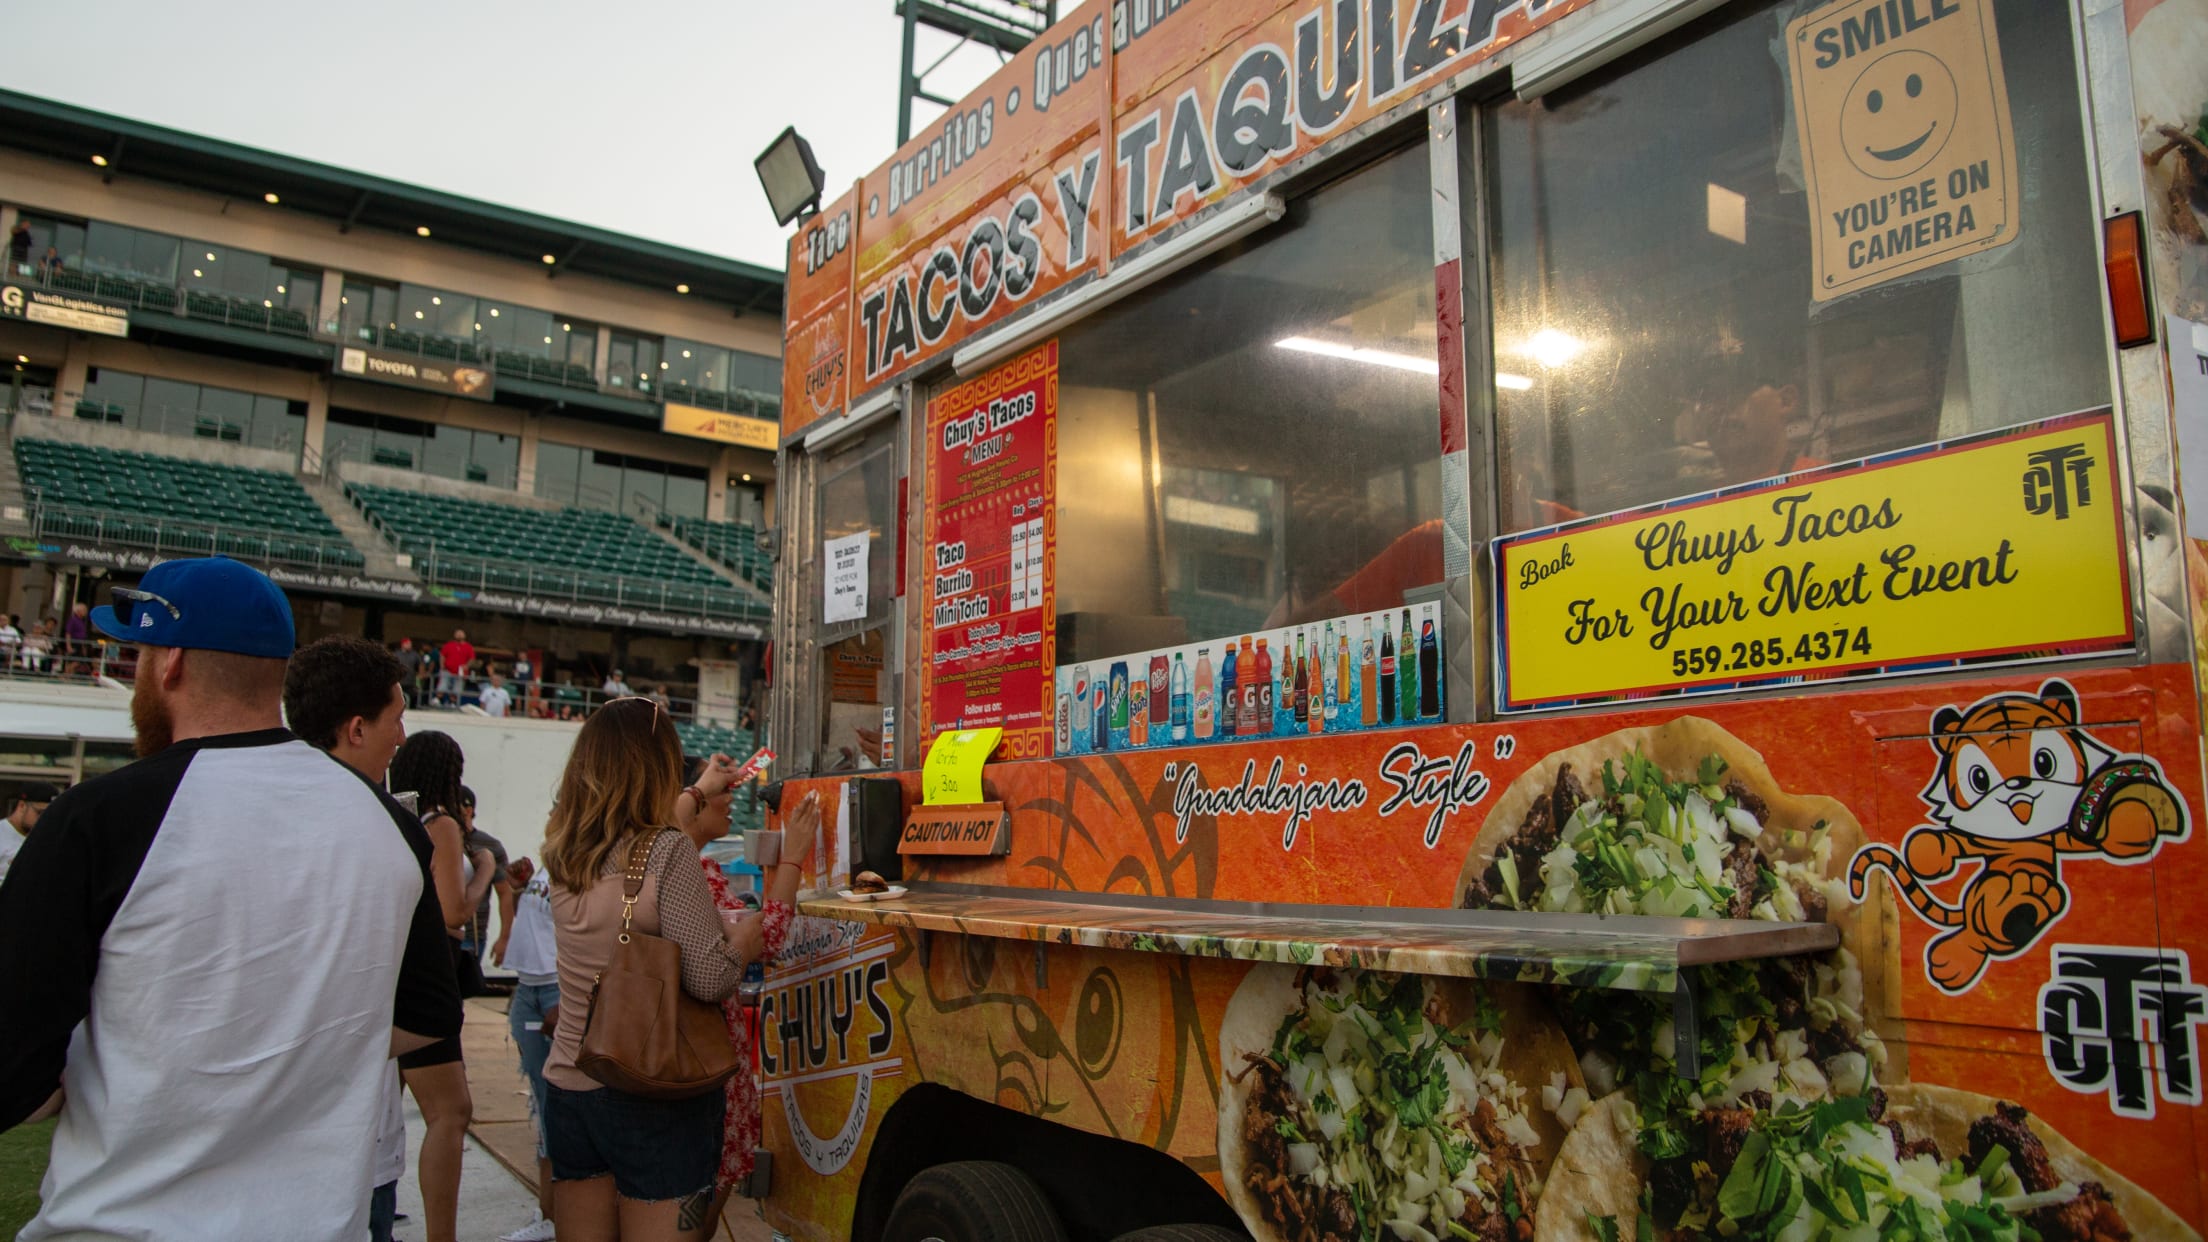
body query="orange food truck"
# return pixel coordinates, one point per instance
(1506, 620)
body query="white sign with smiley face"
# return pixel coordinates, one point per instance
(1907, 147)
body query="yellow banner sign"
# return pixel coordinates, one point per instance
(703, 424)
(2007, 546)
(1907, 150)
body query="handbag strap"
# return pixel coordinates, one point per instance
(632, 881)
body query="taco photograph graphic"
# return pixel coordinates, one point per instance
(1359, 1105)
(1679, 819)
(1906, 1161)
(2020, 789)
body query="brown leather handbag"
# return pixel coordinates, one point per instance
(642, 1033)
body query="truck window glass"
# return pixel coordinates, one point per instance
(1254, 443)
(1654, 327)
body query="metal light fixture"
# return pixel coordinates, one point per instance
(790, 176)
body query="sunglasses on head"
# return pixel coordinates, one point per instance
(128, 600)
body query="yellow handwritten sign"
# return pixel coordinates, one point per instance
(700, 423)
(1907, 149)
(1999, 547)
(951, 775)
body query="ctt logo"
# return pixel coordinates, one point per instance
(2102, 1009)
(2055, 479)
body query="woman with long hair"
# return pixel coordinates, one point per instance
(702, 812)
(428, 766)
(623, 1166)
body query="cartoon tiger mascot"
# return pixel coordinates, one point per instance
(2019, 786)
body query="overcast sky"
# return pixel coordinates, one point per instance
(641, 116)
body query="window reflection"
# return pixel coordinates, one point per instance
(1255, 442)
(1654, 329)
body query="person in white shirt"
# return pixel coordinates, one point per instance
(30, 803)
(493, 699)
(11, 639)
(528, 947)
(615, 686)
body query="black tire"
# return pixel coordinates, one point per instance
(973, 1201)
(1184, 1233)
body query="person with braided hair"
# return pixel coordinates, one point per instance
(429, 767)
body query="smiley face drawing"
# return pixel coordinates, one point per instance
(1898, 115)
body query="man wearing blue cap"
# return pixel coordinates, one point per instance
(215, 1072)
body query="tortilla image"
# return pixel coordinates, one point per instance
(1362, 1104)
(1988, 1158)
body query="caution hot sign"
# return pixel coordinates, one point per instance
(1907, 149)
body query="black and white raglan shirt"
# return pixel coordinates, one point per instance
(207, 951)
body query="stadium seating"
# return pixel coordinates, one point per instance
(733, 544)
(700, 740)
(578, 553)
(175, 504)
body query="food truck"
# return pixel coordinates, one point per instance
(1493, 619)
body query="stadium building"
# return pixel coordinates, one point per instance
(416, 411)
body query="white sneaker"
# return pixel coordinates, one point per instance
(538, 1230)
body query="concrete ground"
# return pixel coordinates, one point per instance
(498, 1175)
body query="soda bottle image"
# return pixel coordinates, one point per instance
(1317, 722)
(1300, 690)
(1118, 728)
(1245, 721)
(1263, 724)
(1083, 710)
(1230, 694)
(1138, 712)
(1407, 681)
(1429, 670)
(1061, 737)
(1180, 704)
(1368, 695)
(1204, 704)
(1339, 689)
(1326, 690)
(1387, 672)
(1161, 693)
(1100, 715)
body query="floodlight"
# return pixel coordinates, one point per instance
(790, 176)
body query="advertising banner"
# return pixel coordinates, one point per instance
(385, 366)
(1903, 115)
(2007, 545)
(816, 316)
(2007, 1040)
(1340, 675)
(1210, 97)
(993, 206)
(989, 532)
(700, 423)
(64, 310)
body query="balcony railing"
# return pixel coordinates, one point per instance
(508, 363)
(204, 305)
(172, 536)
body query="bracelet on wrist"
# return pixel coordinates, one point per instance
(697, 795)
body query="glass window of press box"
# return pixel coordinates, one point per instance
(192, 411)
(1654, 328)
(590, 479)
(1254, 442)
(439, 449)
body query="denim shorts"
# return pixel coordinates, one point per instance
(656, 1150)
(527, 1007)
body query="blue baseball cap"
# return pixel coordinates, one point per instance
(208, 603)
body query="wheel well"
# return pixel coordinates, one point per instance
(1087, 1176)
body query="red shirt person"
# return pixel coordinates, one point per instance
(455, 657)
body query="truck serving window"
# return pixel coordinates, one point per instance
(1254, 443)
(1656, 327)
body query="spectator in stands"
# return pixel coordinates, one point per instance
(428, 766)
(659, 696)
(493, 698)
(480, 843)
(38, 646)
(31, 802)
(525, 683)
(702, 813)
(11, 639)
(50, 268)
(410, 671)
(76, 640)
(208, 1086)
(343, 695)
(525, 946)
(616, 687)
(624, 1165)
(19, 249)
(455, 657)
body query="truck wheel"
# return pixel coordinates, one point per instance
(1184, 1233)
(970, 1200)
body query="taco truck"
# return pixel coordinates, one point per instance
(1506, 620)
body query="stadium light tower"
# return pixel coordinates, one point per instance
(790, 176)
(1003, 26)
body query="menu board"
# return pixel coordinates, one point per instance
(991, 615)
(2000, 547)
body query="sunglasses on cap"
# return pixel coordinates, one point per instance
(128, 599)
